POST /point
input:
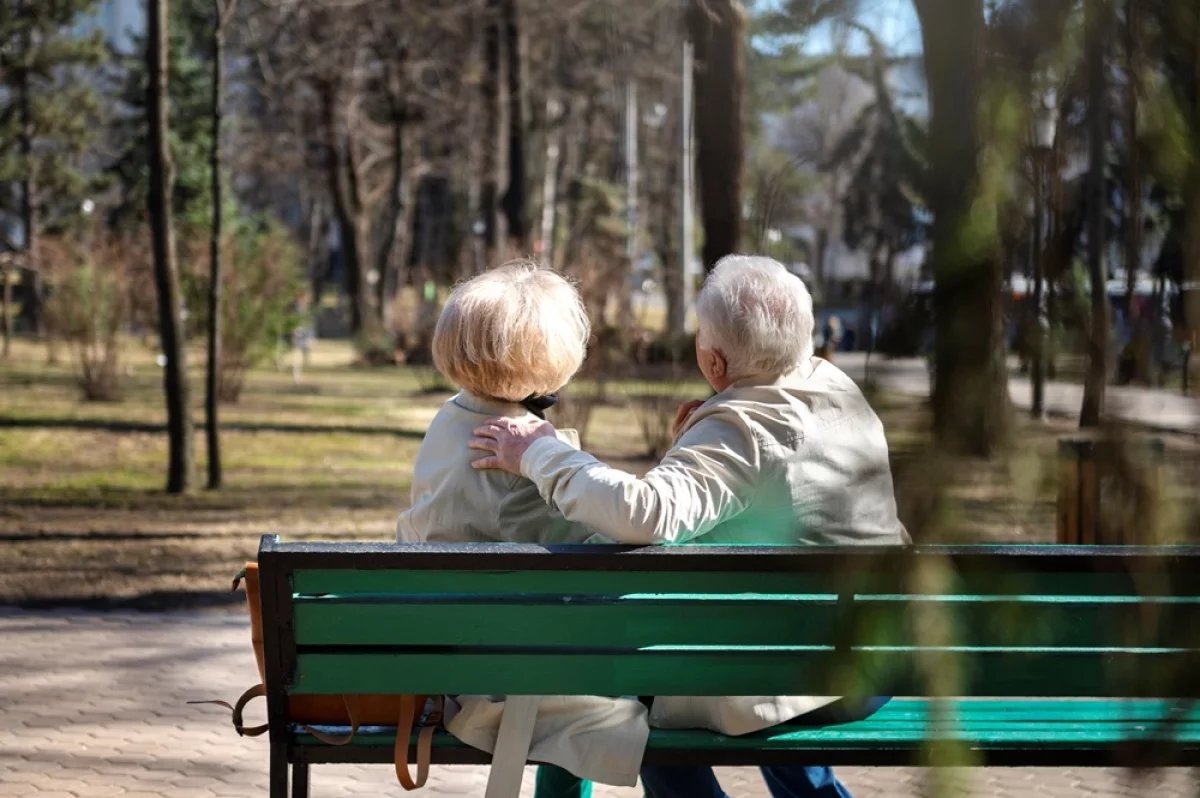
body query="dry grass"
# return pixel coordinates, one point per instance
(83, 518)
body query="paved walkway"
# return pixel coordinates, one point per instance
(95, 705)
(1162, 410)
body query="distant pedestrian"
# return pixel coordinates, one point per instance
(301, 342)
(832, 335)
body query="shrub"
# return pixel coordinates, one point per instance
(262, 280)
(378, 348)
(90, 305)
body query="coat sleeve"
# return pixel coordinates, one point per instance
(707, 478)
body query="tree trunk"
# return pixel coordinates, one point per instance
(166, 275)
(495, 133)
(394, 250)
(578, 156)
(393, 261)
(1133, 172)
(355, 235)
(550, 180)
(317, 253)
(971, 407)
(1096, 25)
(516, 196)
(1191, 258)
(6, 310)
(667, 223)
(1037, 371)
(29, 191)
(718, 32)
(820, 254)
(632, 222)
(212, 399)
(477, 156)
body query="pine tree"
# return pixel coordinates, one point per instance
(189, 71)
(48, 113)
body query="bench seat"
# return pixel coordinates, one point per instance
(998, 732)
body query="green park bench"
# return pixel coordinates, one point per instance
(1009, 655)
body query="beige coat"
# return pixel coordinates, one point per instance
(596, 738)
(454, 503)
(798, 460)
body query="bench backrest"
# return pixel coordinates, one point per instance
(514, 619)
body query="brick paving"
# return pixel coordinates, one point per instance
(94, 704)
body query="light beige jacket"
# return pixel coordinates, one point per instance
(596, 738)
(797, 460)
(455, 503)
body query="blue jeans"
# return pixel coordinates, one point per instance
(701, 782)
(783, 781)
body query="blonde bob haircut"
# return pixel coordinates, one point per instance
(516, 331)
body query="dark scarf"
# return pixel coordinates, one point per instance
(538, 405)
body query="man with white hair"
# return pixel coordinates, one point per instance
(788, 451)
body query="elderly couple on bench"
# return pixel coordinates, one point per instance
(787, 451)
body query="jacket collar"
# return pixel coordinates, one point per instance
(797, 375)
(485, 406)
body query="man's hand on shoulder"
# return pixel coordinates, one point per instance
(683, 414)
(506, 441)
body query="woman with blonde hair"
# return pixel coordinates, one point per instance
(510, 339)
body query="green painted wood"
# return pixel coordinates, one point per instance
(628, 624)
(751, 671)
(984, 725)
(636, 621)
(556, 582)
(344, 581)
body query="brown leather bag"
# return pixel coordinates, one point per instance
(353, 710)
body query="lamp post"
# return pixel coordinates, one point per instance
(1045, 128)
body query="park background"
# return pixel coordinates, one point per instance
(996, 206)
(226, 228)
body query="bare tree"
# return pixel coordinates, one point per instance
(166, 271)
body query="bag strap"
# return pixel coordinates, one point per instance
(410, 708)
(404, 726)
(260, 691)
(257, 691)
(352, 711)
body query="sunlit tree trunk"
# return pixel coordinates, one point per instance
(972, 411)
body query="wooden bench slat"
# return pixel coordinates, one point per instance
(634, 622)
(630, 625)
(908, 723)
(990, 673)
(885, 580)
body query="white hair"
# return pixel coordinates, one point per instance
(516, 331)
(757, 314)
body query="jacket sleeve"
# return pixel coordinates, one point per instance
(704, 480)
